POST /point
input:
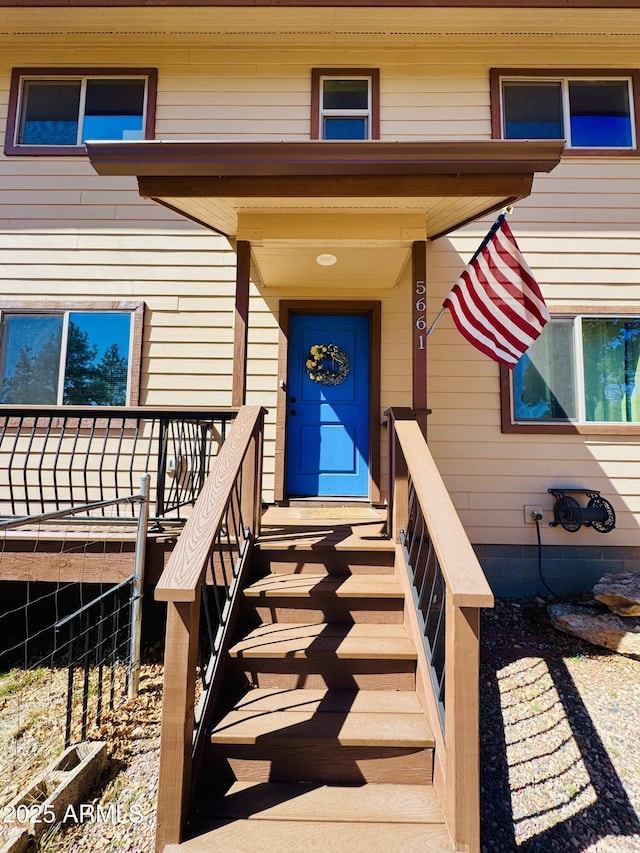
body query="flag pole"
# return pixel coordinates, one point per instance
(503, 215)
(433, 325)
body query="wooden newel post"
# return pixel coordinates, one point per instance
(398, 501)
(248, 493)
(176, 734)
(462, 725)
(251, 496)
(259, 455)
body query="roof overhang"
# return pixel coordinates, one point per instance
(292, 198)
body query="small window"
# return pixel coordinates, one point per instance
(589, 113)
(583, 369)
(345, 104)
(345, 108)
(79, 358)
(57, 113)
(532, 110)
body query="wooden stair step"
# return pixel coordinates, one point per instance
(326, 762)
(364, 656)
(250, 725)
(241, 836)
(299, 801)
(301, 555)
(335, 701)
(339, 737)
(292, 641)
(313, 728)
(350, 586)
(327, 598)
(326, 534)
(301, 541)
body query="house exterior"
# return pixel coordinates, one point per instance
(272, 206)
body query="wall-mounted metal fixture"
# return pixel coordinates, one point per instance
(567, 512)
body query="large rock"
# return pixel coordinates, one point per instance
(621, 593)
(602, 629)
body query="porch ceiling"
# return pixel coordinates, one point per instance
(295, 200)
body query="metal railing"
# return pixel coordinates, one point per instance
(62, 456)
(429, 593)
(96, 638)
(98, 643)
(448, 587)
(203, 581)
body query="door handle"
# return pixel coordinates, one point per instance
(292, 400)
(292, 412)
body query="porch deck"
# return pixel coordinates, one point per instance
(89, 551)
(339, 525)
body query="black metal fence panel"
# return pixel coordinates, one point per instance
(62, 456)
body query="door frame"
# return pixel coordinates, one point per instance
(373, 311)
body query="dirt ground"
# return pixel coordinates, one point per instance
(560, 738)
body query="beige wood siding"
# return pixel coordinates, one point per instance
(64, 231)
(577, 231)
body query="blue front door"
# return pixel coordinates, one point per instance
(328, 405)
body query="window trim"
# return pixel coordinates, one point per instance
(596, 74)
(13, 148)
(345, 73)
(508, 425)
(134, 308)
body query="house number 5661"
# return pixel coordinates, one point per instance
(421, 311)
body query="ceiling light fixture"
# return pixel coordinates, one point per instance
(326, 260)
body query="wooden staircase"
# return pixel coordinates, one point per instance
(329, 748)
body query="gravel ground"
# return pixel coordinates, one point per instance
(560, 752)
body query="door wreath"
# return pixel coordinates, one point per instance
(327, 364)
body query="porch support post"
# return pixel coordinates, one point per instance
(419, 338)
(241, 323)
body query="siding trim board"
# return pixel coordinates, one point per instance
(329, 159)
(447, 4)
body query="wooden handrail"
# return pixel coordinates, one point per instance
(228, 507)
(444, 578)
(187, 563)
(466, 583)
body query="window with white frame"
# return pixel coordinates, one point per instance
(584, 369)
(345, 104)
(67, 357)
(589, 112)
(58, 112)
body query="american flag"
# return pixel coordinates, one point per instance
(496, 303)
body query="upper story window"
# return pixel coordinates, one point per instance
(345, 103)
(582, 370)
(55, 112)
(69, 357)
(591, 111)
